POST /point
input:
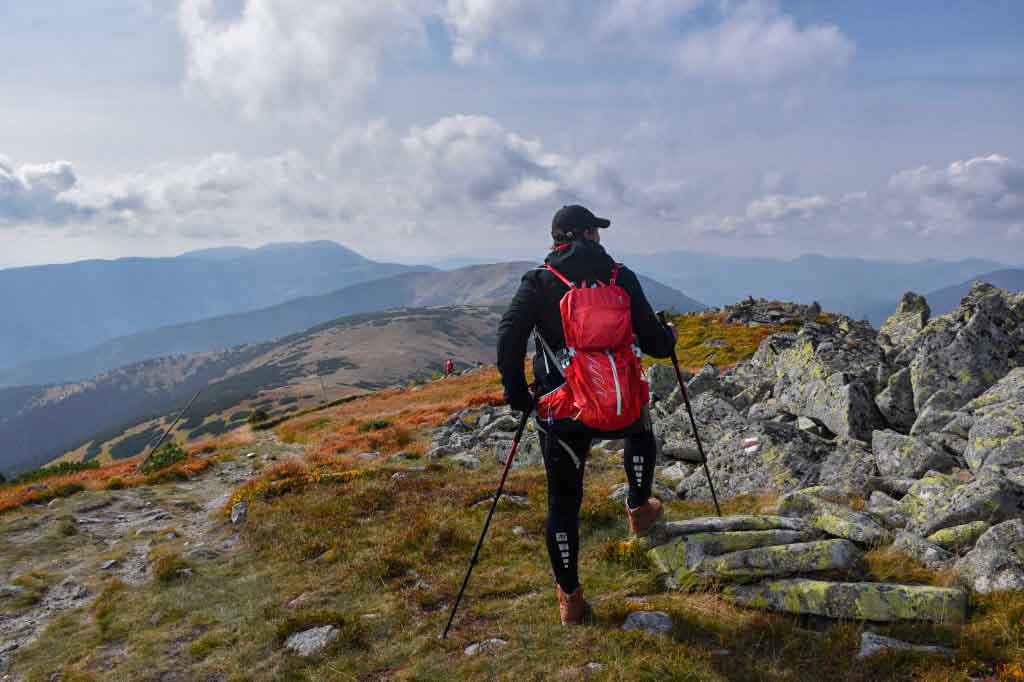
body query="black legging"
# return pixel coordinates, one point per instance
(565, 494)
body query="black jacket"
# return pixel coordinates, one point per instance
(536, 305)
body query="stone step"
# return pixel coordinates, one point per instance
(665, 532)
(672, 562)
(854, 601)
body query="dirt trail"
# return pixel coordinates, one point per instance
(55, 558)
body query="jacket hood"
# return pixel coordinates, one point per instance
(582, 260)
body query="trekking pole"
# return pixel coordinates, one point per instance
(167, 431)
(494, 505)
(693, 422)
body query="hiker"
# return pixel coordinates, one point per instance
(577, 258)
(449, 367)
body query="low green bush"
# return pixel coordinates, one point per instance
(166, 455)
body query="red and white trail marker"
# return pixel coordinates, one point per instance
(751, 444)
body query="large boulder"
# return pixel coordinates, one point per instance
(966, 351)
(829, 372)
(854, 601)
(911, 316)
(996, 436)
(764, 456)
(997, 561)
(991, 497)
(906, 456)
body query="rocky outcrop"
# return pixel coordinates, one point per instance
(911, 316)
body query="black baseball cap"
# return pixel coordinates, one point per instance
(574, 219)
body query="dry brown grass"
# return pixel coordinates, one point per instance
(890, 566)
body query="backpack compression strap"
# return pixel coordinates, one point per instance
(615, 273)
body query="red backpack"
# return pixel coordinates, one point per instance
(604, 386)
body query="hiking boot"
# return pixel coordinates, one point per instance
(573, 608)
(643, 517)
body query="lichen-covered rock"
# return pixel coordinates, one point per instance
(959, 539)
(682, 451)
(925, 551)
(882, 602)
(835, 519)
(880, 500)
(686, 553)
(764, 456)
(664, 532)
(845, 406)
(936, 413)
(674, 473)
(996, 563)
(716, 418)
(966, 351)
(992, 498)
(911, 316)
(896, 401)
(850, 466)
(996, 436)
(829, 373)
(706, 379)
(906, 456)
(662, 380)
(760, 562)
(932, 487)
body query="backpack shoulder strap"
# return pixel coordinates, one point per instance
(565, 280)
(615, 273)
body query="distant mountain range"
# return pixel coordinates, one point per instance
(480, 285)
(53, 310)
(946, 299)
(856, 287)
(115, 414)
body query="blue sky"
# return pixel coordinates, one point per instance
(417, 130)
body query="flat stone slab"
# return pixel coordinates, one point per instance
(752, 564)
(664, 532)
(687, 552)
(881, 602)
(872, 644)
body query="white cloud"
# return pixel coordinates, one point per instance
(296, 54)
(988, 188)
(37, 192)
(455, 176)
(758, 43)
(778, 207)
(315, 55)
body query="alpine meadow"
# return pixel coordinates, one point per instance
(511, 340)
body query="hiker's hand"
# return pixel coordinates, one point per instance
(675, 332)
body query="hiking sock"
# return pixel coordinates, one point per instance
(638, 459)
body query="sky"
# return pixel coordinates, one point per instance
(423, 130)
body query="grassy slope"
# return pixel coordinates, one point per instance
(331, 539)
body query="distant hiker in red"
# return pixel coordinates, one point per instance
(591, 321)
(449, 367)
